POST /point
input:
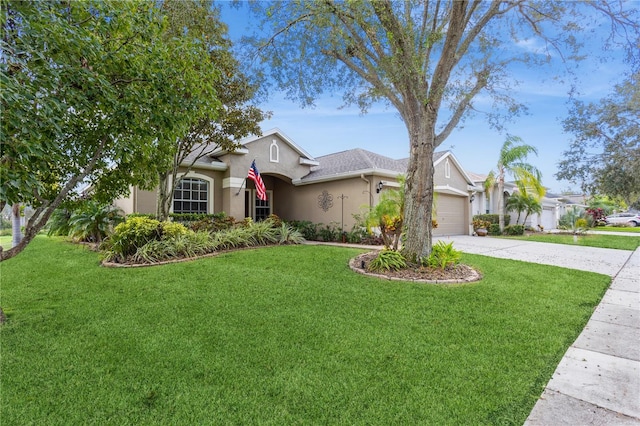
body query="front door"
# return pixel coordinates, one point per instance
(257, 209)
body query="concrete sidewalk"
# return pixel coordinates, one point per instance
(598, 380)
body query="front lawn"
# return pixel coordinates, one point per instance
(279, 335)
(620, 242)
(634, 229)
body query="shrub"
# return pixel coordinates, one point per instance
(597, 216)
(262, 233)
(58, 222)
(574, 220)
(275, 220)
(129, 236)
(186, 245)
(289, 235)
(172, 230)
(492, 218)
(514, 230)
(233, 238)
(387, 260)
(443, 255)
(582, 223)
(92, 221)
(308, 229)
(329, 232)
(213, 223)
(494, 229)
(480, 223)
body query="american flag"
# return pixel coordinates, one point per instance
(254, 175)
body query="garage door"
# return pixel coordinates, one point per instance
(451, 215)
(548, 219)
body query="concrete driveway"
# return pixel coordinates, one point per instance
(592, 259)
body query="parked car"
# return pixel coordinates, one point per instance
(627, 218)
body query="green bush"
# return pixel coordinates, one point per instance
(514, 230)
(492, 218)
(172, 230)
(330, 233)
(494, 229)
(308, 229)
(129, 236)
(443, 255)
(213, 223)
(387, 260)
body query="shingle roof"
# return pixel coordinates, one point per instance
(476, 177)
(358, 160)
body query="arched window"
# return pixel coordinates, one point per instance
(191, 196)
(274, 152)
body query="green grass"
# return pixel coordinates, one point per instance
(280, 335)
(620, 242)
(633, 229)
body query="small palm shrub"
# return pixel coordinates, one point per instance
(59, 222)
(387, 260)
(443, 256)
(90, 221)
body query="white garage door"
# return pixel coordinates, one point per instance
(548, 218)
(451, 215)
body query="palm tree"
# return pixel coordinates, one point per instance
(533, 205)
(512, 160)
(517, 203)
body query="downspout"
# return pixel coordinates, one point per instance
(369, 190)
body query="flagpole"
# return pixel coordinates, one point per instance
(243, 182)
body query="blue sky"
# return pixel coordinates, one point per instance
(326, 128)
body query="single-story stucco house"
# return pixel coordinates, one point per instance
(327, 189)
(554, 206)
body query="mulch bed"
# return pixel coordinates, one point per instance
(457, 274)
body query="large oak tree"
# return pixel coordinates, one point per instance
(429, 59)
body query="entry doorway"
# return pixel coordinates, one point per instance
(257, 209)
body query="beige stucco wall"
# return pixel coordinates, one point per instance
(455, 179)
(306, 202)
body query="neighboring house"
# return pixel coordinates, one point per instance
(327, 189)
(553, 206)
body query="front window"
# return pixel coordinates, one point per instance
(191, 196)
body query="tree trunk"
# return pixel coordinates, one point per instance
(164, 196)
(16, 233)
(35, 224)
(419, 188)
(501, 201)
